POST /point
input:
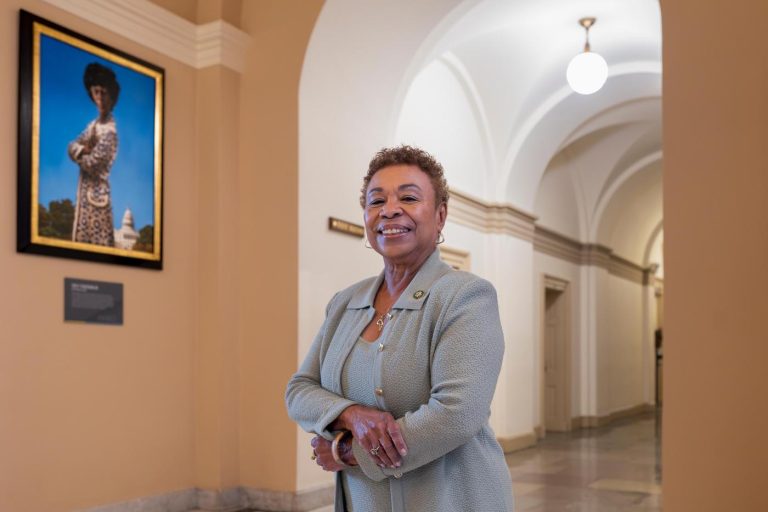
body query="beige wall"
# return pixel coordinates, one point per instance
(95, 414)
(716, 255)
(188, 393)
(268, 193)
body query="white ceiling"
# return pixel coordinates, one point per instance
(483, 83)
(511, 56)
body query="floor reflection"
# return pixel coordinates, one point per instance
(616, 468)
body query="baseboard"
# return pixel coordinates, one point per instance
(283, 501)
(234, 499)
(225, 500)
(514, 443)
(601, 421)
(176, 501)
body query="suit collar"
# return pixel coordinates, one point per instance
(414, 296)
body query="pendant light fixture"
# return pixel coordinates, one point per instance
(587, 71)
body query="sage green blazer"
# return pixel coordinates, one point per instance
(436, 372)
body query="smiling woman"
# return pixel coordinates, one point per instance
(398, 382)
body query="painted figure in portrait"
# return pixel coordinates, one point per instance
(94, 151)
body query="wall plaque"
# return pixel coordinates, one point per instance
(345, 227)
(93, 302)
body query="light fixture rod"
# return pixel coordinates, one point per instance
(587, 24)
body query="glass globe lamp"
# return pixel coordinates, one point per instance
(587, 71)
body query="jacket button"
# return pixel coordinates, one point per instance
(379, 391)
(381, 347)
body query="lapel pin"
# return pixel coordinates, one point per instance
(418, 294)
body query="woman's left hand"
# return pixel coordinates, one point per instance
(322, 450)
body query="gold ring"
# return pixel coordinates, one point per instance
(375, 451)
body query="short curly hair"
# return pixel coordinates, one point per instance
(96, 74)
(408, 155)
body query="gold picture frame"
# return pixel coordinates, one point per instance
(90, 149)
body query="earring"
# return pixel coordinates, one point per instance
(440, 237)
(366, 244)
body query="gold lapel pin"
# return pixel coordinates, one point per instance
(418, 294)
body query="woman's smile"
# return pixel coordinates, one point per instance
(393, 231)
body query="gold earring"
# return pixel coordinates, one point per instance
(440, 237)
(366, 244)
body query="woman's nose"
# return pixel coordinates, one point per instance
(391, 209)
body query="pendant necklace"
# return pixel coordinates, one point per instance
(380, 321)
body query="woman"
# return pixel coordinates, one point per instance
(398, 382)
(94, 151)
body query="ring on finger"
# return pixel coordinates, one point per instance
(375, 450)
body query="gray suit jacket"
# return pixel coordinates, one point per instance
(437, 371)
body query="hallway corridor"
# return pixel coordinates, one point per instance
(616, 468)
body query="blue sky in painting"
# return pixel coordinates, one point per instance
(66, 109)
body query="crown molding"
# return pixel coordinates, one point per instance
(198, 46)
(506, 219)
(554, 244)
(491, 217)
(560, 246)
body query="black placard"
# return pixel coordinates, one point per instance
(93, 302)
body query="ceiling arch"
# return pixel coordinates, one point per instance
(506, 61)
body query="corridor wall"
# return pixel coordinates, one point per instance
(97, 414)
(182, 406)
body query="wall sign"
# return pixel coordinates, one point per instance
(93, 302)
(348, 228)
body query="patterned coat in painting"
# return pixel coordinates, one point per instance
(94, 151)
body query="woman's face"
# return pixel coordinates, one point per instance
(401, 221)
(102, 99)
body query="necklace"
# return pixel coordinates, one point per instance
(380, 321)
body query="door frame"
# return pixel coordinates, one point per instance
(550, 282)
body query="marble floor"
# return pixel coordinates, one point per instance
(616, 468)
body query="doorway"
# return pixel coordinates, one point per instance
(556, 395)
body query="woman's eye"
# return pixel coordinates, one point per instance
(375, 202)
(409, 199)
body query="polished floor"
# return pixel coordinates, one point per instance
(616, 468)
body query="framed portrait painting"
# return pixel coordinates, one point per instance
(90, 160)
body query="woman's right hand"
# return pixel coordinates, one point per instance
(374, 428)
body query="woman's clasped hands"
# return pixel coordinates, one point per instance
(376, 431)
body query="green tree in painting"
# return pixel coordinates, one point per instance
(146, 239)
(56, 220)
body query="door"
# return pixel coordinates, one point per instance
(556, 361)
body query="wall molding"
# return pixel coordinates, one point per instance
(490, 217)
(141, 21)
(234, 499)
(301, 501)
(515, 443)
(505, 219)
(560, 246)
(601, 421)
(177, 501)
(456, 258)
